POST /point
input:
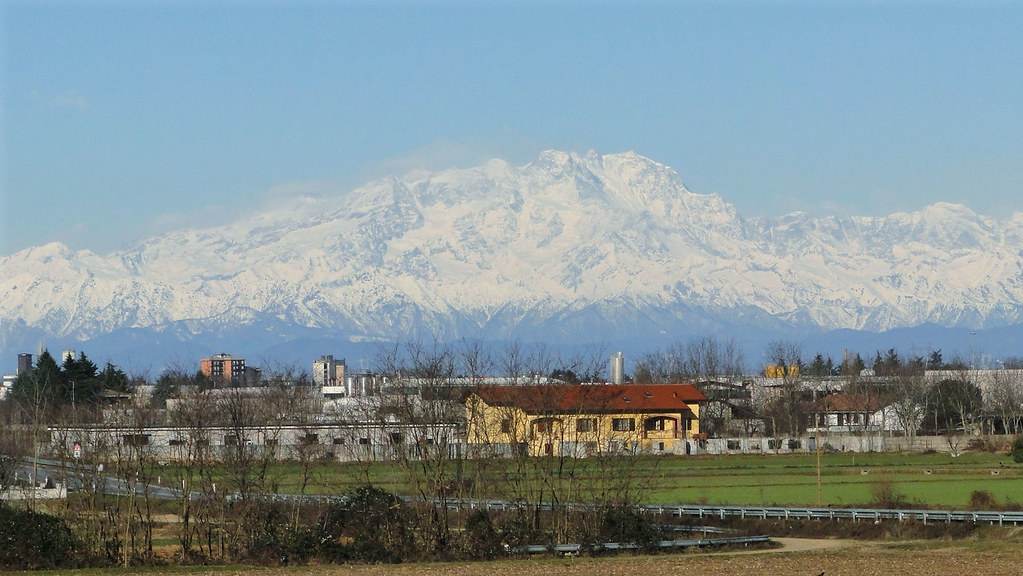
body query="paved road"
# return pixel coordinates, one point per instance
(43, 469)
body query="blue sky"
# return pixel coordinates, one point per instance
(120, 120)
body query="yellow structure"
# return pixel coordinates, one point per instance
(779, 371)
(577, 420)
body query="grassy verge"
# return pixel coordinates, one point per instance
(918, 480)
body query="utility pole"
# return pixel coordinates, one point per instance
(818, 444)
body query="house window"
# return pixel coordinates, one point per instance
(270, 442)
(654, 424)
(230, 440)
(541, 426)
(660, 446)
(623, 424)
(364, 441)
(585, 424)
(506, 426)
(397, 437)
(310, 439)
(176, 442)
(732, 444)
(794, 444)
(135, 439)
(339, 440)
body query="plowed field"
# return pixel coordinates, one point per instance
(797, 558)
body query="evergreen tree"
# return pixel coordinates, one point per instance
(167, 386)
(858, 365)
(889, 365)
(80, 384)
(40, 386)
(819, 367)
(915, 366)
(113, 378)
(852, 367)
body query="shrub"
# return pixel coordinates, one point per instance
(33, 540)
(1017, 450)
(626, 524)
(981, 445)
(517, 528)
(982, 500)
(276, 541)
(370, 525)
(480, 539)
(883, 494)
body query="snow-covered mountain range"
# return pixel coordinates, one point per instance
(570, 248)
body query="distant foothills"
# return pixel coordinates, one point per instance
(573, 251)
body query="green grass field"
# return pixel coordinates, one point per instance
(926, 480)
(846, 479)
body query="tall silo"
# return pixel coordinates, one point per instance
(618, 368)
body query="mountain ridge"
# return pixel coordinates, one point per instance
(568, 246)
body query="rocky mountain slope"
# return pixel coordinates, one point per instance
(568, 247)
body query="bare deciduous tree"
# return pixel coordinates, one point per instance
(1005, 397)
(193, 415)
(909, 401)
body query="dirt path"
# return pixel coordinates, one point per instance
(807, 544)
(790, 545)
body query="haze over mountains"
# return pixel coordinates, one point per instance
(568, 249)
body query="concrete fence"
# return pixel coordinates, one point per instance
(955, 444)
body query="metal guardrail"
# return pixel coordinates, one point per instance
(854, 514)
(997, 517)
(610, 546)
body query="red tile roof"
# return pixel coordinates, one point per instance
(595, 398)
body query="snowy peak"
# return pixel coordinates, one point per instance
(567, 246)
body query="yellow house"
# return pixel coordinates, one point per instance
(576, 420)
